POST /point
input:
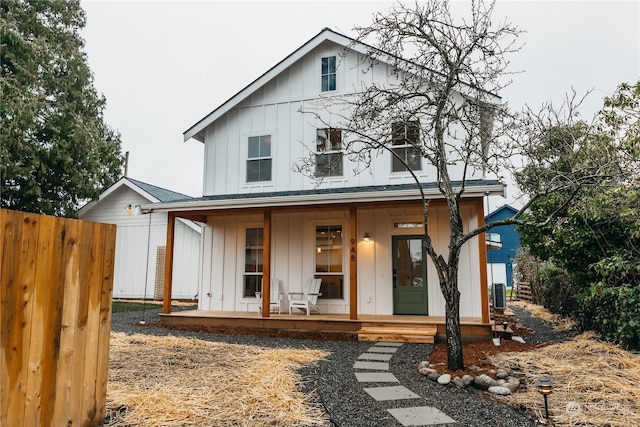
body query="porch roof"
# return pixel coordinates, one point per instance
(379, 193)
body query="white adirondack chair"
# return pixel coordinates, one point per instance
(308, 300)
(276, 297)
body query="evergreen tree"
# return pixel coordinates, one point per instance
(57, 151)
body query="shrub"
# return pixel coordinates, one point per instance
(613, 312)
(558, 291)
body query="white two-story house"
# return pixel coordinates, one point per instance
(361, 233)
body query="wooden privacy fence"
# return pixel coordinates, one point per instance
(523, 292)
(56, 278)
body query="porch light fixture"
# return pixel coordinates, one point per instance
(131, 210)
(545, 388)
(366, 237)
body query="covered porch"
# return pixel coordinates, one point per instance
(393, 328)
(365, 304)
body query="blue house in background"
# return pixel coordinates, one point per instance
(503, 243)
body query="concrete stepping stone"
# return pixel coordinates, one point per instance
(420, 416)
(377, 366)
(376, 356)
(388, 344)
(379, 349)
(391, 393)
(376, 377)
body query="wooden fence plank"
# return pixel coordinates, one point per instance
(28, 261)
(71, 264)
(53, 325)
(41, 304)
(89, 396)
(80, 350)
(8, 296)
(16, 350)
(106, 291)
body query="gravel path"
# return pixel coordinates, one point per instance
(542, 330)
(337, 389)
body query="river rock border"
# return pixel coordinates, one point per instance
(504, 385)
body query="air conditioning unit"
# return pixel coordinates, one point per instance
(499, 292)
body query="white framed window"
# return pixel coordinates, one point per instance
(330, 260)
(405, 138)
(328, 152)
(328, 73)
(253, 265)
(259, 158)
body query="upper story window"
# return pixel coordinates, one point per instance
(328, 73)
(259, 159)
(405, 137)
(328, 152)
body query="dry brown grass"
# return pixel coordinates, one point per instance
(595, 383)
(174, 381)
(560, 323)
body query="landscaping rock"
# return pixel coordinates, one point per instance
(444, 379)
(484, 381)
(512, 384)
(502, 374)
(427, 371)
(433, 376)
(423, 364)
(499, 390)
(457, 381)
(467, 379)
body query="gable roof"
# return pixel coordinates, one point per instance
(161, 194)
(152, 193)
(197, 130)
(507, 210)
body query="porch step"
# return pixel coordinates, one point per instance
(420, 334)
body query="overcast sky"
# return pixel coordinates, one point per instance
(163, 66)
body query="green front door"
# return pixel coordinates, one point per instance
(409, 275)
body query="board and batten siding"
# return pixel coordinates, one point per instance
(293, 258)
(274, 109)
(134, 243)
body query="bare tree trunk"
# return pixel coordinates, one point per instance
(448, 279)
(454, 336)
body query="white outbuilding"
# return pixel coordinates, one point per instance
(141, 241)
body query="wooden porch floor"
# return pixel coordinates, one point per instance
(399, 327)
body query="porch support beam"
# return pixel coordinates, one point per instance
(168, 263)
(482, 260)
(266, 264)
(353, 263)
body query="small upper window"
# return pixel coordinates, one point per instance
(405, 139)
(259, 158)
(328, 152)
(328, 73)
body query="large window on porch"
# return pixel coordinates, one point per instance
(252, 262)
(329, 257)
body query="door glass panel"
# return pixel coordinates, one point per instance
(409, 263)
